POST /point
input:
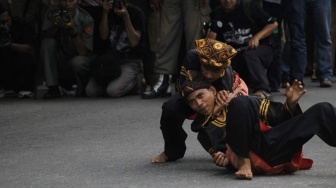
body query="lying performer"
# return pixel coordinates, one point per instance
(256, 135)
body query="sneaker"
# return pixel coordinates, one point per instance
(325, 83)
(53, 93)
(314, 78)
(26, 94)
(10, 93)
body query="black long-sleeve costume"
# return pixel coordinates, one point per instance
(176, 110)
(289, 132)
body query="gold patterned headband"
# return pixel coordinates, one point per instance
(214, 53)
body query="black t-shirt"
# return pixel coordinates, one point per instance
(21, 32)
(237, 28)
(118, 36)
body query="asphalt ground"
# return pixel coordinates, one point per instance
(103, 142)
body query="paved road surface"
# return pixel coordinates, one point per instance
(82, 142)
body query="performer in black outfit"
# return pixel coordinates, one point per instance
(258, 135)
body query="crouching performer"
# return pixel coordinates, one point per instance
(213, 60)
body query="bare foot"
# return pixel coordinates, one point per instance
(160, 158)
(244, 169)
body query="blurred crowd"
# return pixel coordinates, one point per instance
(113, 48)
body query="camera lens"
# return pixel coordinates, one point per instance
(66, 16)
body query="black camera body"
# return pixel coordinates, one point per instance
(64, 14)
(213, 25)
(5, 36)
(117, 4)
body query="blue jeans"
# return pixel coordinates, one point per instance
(275, 69)
(296, 12)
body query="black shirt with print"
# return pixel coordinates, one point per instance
(118, 37)
(237, 28)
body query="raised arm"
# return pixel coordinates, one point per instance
(133, 35)
(293, 94)
(103, 25)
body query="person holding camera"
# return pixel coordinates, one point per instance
(180, 25)
(67, 46)
(115, 73)
(17, 54)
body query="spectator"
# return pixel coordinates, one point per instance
(27, 9)
(285, 66)
(67, 46)
(152, 15)
(274, 8)
(178, 17)
(124, 27)
(94, 8)
(248, 34)
(295, 16)
(17, 54)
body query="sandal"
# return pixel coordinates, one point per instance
(262, 94)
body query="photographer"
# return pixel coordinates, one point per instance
(115, 73)
(17, 54)
(67, 46)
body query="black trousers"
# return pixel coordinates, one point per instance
(174, 112)
(251, 65)
(278, 145)
(17, 71)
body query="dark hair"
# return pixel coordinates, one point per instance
(193, 81)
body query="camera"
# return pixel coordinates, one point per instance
(213, 25)
(5, 36)
(64, 14)
(117, 4)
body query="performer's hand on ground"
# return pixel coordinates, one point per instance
(220, 159)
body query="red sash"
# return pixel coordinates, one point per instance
(259, 166)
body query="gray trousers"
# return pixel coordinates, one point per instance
(178, 16)
(118, 87)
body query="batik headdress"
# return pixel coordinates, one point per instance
(214, 53)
